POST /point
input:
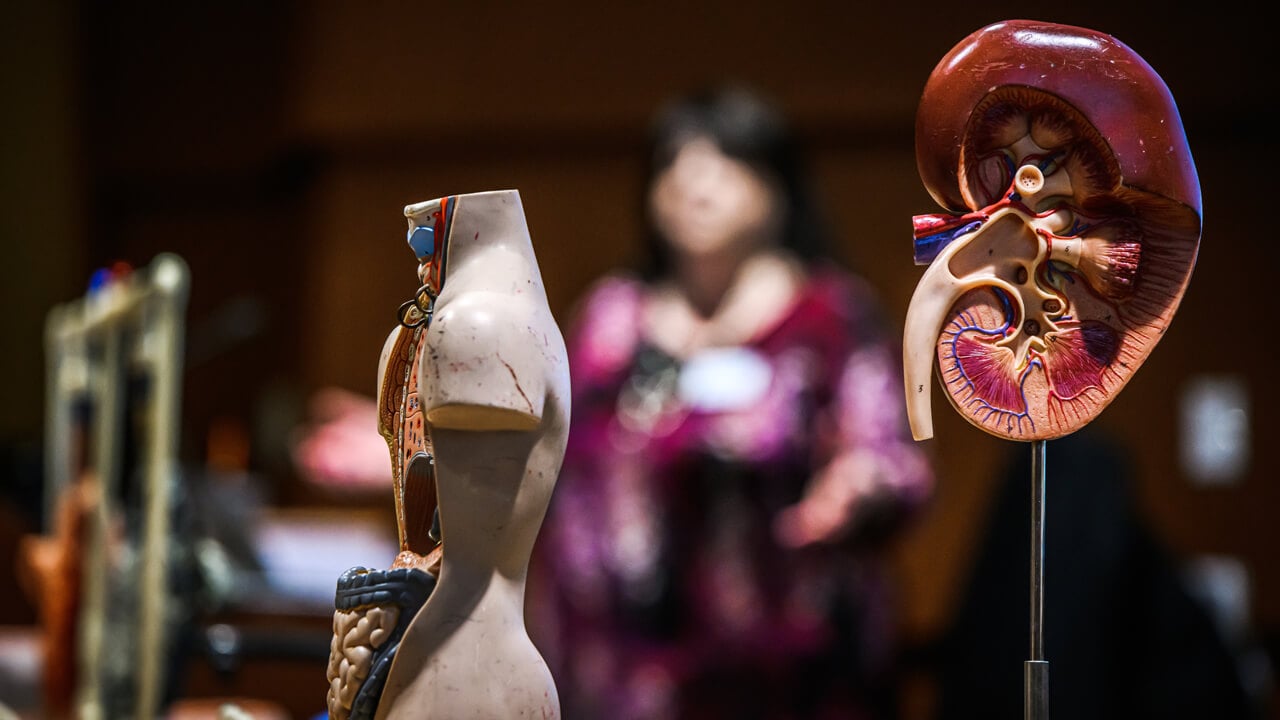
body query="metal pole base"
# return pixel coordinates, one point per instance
(1036, 682)
(1036, 670)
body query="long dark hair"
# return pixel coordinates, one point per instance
(745, 127)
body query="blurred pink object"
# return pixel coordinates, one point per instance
(340, 447)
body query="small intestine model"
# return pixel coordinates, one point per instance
(474, 405)
(1073, 226)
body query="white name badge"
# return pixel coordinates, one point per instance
(724, 379)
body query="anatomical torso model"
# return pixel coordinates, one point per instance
(473, 401)
(1073, 227)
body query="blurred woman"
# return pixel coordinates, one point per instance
(738, 452)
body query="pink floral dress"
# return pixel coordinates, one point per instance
(664, 591)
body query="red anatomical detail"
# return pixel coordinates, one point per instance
(1077, 359)
(1064, 292)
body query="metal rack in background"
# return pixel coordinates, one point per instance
(128, 326)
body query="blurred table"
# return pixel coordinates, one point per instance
(272, 643)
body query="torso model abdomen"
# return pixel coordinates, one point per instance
(490, 385)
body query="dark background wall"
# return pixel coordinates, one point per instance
(273, 145)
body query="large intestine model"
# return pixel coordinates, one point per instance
(1072, 231)
(474, 404)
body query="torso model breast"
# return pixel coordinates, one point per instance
(474, 405)
(1072, 228)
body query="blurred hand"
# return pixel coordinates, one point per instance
(830, 507)
(340, 447)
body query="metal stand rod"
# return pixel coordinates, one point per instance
(1036, 670)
